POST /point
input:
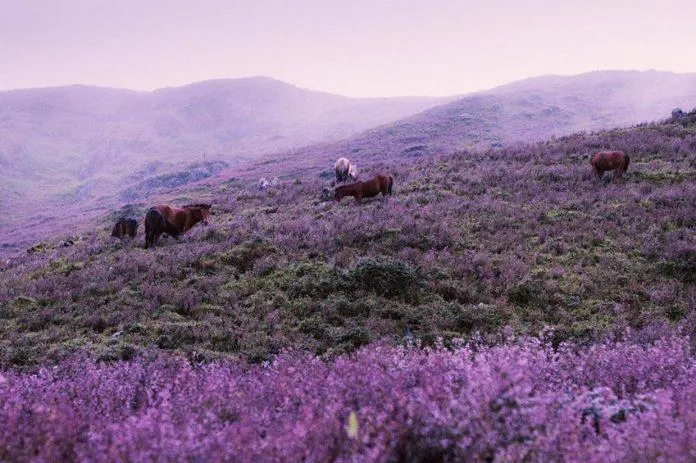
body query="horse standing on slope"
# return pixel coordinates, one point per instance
(173, 221)
(353, 173)
(609, 160)
(126, 226)
(345, 170)
(367, 189)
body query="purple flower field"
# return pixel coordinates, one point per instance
(520, 238)
(553, 317)
(522, 401)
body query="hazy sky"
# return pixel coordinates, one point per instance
(351, 47)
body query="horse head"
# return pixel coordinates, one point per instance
(339, 193)
(199, 212)
(353, 173)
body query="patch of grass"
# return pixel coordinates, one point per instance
(666, 176)
(242, 257)
(387, 277)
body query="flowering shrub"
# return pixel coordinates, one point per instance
(520, 401)
(515, 238)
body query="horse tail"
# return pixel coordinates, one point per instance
(628, 161)
(116, 229)
(391, 183)
(154, 223)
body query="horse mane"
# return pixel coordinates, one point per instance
(197, 206)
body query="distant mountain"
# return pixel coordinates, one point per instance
(85, 141)
(529, 110)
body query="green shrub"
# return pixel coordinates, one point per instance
(527, 294)
(387, 277)
(242, 257)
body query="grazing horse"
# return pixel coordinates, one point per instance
(367, 189)
(609, 160)
(353, 173)
(345, 170)
(126, 226)
(173, 221)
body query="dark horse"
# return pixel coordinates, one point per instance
(609, 160)
(367, 189)
(173, 221)
(126, 226)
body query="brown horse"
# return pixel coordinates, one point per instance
(126, 226)
(367, 189)
(609, 160)
(173, 221)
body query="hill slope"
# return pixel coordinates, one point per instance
(58, 139)
(73, 154)
(508, 240)
(528, 110)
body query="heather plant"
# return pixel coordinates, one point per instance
(517, 238)
(522, 400)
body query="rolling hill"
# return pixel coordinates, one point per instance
(74, 152)
(528, 110)
(517, 238)
(56, 140)
(501, 306)
(69, 155)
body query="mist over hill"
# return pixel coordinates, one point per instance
(72, 154)
(81, 150)
(58, 139)
(528, 110)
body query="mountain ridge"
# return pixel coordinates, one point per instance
(525, 111)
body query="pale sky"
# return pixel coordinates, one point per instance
(348, 47)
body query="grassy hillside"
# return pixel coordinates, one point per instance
(69, 154)
(500, 241)
(76, 152)
(58, 139)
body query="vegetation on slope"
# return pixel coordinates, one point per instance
(521, 402)
(529, 110)
(508, 240)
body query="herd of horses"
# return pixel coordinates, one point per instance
(162, 219)
(173, 221)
